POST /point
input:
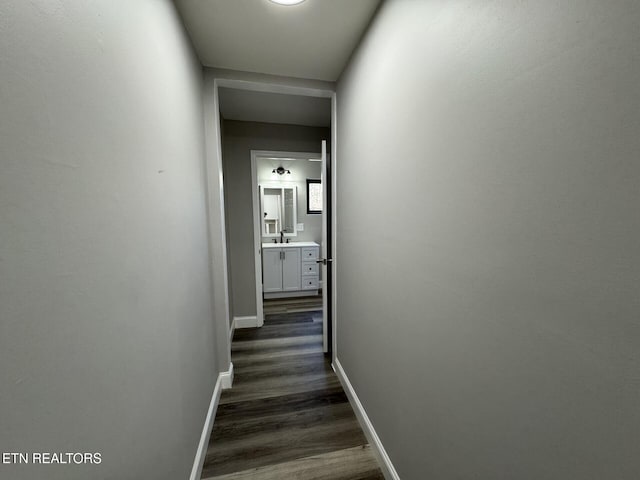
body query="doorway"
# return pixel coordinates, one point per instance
(251, 89)
(291, 245)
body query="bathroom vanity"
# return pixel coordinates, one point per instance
(290, 269)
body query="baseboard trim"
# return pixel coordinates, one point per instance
(292, 294)
(245, 322)
(198, 462)
(386, 466)
(226, 378)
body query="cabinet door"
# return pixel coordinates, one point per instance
(271, 270)
(291, 269)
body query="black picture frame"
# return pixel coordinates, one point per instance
(311, 181)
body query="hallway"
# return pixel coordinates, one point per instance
(286, 415)
(483, 255)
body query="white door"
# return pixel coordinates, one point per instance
(291, 269)
(271, 270)
(324, 253)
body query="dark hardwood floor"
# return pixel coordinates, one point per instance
(288, 305)
(286, 416)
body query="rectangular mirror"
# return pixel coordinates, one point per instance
(279, 210)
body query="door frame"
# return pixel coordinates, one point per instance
(257, 220)
(214, 161)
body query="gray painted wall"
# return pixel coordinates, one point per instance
(496, 334)
(239, 139)
(106, 330)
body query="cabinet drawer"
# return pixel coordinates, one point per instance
(309, 268)
(310, 253)
(310, 282)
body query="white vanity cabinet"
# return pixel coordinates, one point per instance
(289, 269)
(280, 269)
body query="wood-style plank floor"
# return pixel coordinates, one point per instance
(287, 305)
(286, 416)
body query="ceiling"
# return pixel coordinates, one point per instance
(311, 40)
(253, 106)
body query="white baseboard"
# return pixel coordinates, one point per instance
(386, 466)
(292, 294)
(198, 462)
(226, 378)
(245, 322)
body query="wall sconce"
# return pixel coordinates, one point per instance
(281, 171)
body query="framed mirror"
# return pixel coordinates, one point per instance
(279, 210)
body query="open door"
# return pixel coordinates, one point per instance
(325, 248)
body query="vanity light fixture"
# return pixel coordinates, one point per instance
(287, 2)
(281, 171)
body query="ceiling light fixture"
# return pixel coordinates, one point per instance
(287, 2)
(281, 171)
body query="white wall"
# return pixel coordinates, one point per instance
(106, 330)
(491, 328)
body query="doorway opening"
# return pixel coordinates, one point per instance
(290, 234)
(287, 214)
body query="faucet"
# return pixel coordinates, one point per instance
(281, 236)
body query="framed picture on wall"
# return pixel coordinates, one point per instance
(314, 196)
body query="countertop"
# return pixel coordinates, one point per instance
(290, 244)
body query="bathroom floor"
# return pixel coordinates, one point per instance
(295, 304)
